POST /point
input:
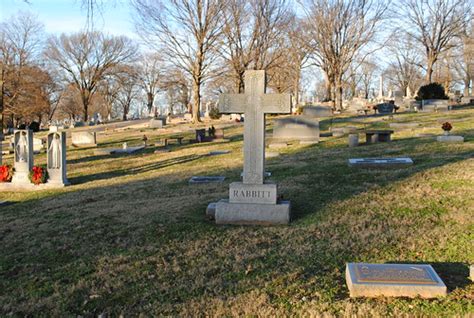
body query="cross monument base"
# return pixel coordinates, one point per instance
(226, 212)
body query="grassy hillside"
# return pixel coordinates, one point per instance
(130, 235)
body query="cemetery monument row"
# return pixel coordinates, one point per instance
(253, 201)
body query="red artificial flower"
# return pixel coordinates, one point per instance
(6, 173)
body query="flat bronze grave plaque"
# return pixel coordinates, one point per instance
(393, 280)
(380, 162)
(199, 180)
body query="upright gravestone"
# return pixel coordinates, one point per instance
(56, 162)
(253, 201)
(23, 158)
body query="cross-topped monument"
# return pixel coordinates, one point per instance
(254, 104)
(253, 201)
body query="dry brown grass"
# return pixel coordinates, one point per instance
(129, 236)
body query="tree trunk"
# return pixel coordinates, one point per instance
(296, 88)
(149, 103)
(429, 70)
(196, 101)
(338, 97)
(467, 82)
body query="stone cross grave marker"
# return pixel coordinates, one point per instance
(254, 104)
(253, 201)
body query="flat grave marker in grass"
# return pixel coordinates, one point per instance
(219, 152)
(206, 179)
(253, 201)
(393, 280)
(380, 162)
(450, 138)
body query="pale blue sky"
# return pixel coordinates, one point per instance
(66, 16)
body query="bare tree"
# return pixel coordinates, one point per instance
(129, 89)
(367, 71)
(150, 76)
(87, 58)
(20, 41)
(434, 24)
(254, 35)
(188, 32)
(340, 29)
(175, 84)
(403, 69)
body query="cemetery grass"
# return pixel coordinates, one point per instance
(130, 236)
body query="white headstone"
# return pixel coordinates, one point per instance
(84, 139)
(37, 145)
(23, 157)
(56, 159)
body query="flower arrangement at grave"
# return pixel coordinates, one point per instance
(38, 175)
(447, 127)
(6, 173)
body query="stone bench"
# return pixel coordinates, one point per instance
(374, 136)
(179, 139)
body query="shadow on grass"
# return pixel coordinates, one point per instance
(108, 245)
(133, 171)
(453, 274)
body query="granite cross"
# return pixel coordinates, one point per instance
(254, 104)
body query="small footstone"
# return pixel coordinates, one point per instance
(278, 145)
(380, 162)
(219, 152)
(163, 150)
(199, 180)
(450, 138)
(393, 280)
(270, 154)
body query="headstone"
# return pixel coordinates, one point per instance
(200, 180)
(317, 111)
(380, 162)
(467, 99)
(188, 117)
(37, 145)
(296, 128)
(84, 139)
(434, 105)
(385, 108)
(450, 138)
(253, 201)
(358, 104)
(394, 280)
(23, 156)
(56, 158)
(53, 128)
(353, 140)
(157, 123)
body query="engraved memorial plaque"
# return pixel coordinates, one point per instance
(394, 280)
(380, 162)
